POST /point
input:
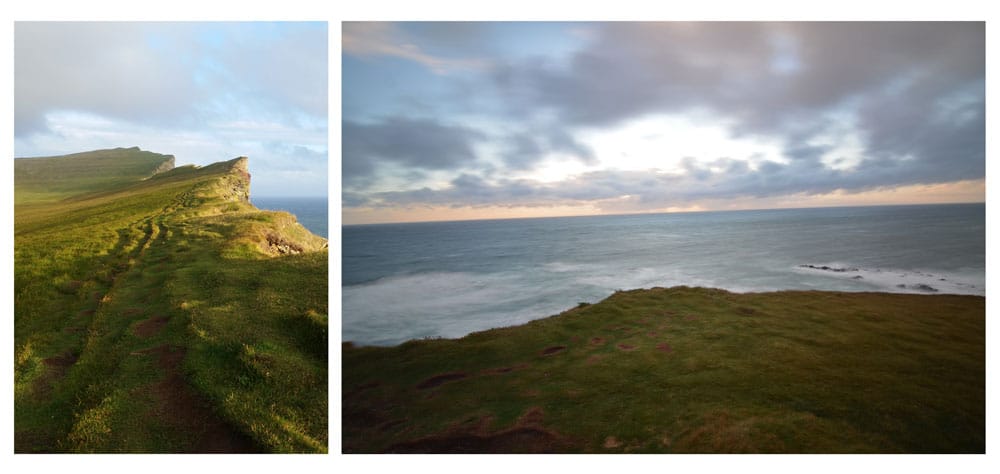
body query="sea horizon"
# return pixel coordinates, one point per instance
(626, 214)
(311, 212)
(411, 280)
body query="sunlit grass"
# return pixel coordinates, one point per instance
(134, 298)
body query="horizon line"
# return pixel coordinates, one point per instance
(625, 214)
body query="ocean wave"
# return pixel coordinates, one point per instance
(902, 281)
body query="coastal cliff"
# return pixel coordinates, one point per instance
(158, 311)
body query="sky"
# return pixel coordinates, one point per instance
(477, 120)
(201, 91)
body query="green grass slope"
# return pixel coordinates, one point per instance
(164, 313)
(687, 370)
(47, 179)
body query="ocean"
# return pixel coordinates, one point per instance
(310, 212)
(447, 279)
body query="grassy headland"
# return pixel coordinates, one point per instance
(157, 310)
(687, 370)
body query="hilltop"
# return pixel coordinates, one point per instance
(157, 310)
(686, 370)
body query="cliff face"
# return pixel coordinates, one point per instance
(236, 183)
(167, 165)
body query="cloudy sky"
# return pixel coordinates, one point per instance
(480, 120)
(203, 92)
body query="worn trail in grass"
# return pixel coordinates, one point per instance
(683, 370)
(167, 314)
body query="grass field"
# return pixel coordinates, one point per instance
(687, 370)
(156, 310)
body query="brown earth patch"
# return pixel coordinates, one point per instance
(593, 359)
(440, 379)
(690, 317)
(651, 333)
(553, 350)
(744, 311)
(151, 326)
(504, 370)
(532, 417)
(178, 406)
(611, 442)
(55, 369)
(597, 341)
(626, 347)
(664, 347)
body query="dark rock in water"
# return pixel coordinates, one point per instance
(923, 287)
(829, 268)
(858, 277)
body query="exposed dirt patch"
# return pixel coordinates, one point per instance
(532, 417)
(593, 359)
(61, 361)
(150, 327)
(691, 317)
(597, 341)
(664, 347)
(651, 333)
(553, 350)
(178, 406)
(626, 347)
(55, 369)
(744, 311)
(70, 287)
(611, 442)
(440, 379)
(504, 370)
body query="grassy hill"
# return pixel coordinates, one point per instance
(156, 310)
(47, 179)
(687, 370)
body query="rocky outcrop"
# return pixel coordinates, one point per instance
(236, 183)
(167, 165)
(829, 268)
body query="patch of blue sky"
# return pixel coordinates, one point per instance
(384, 86)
